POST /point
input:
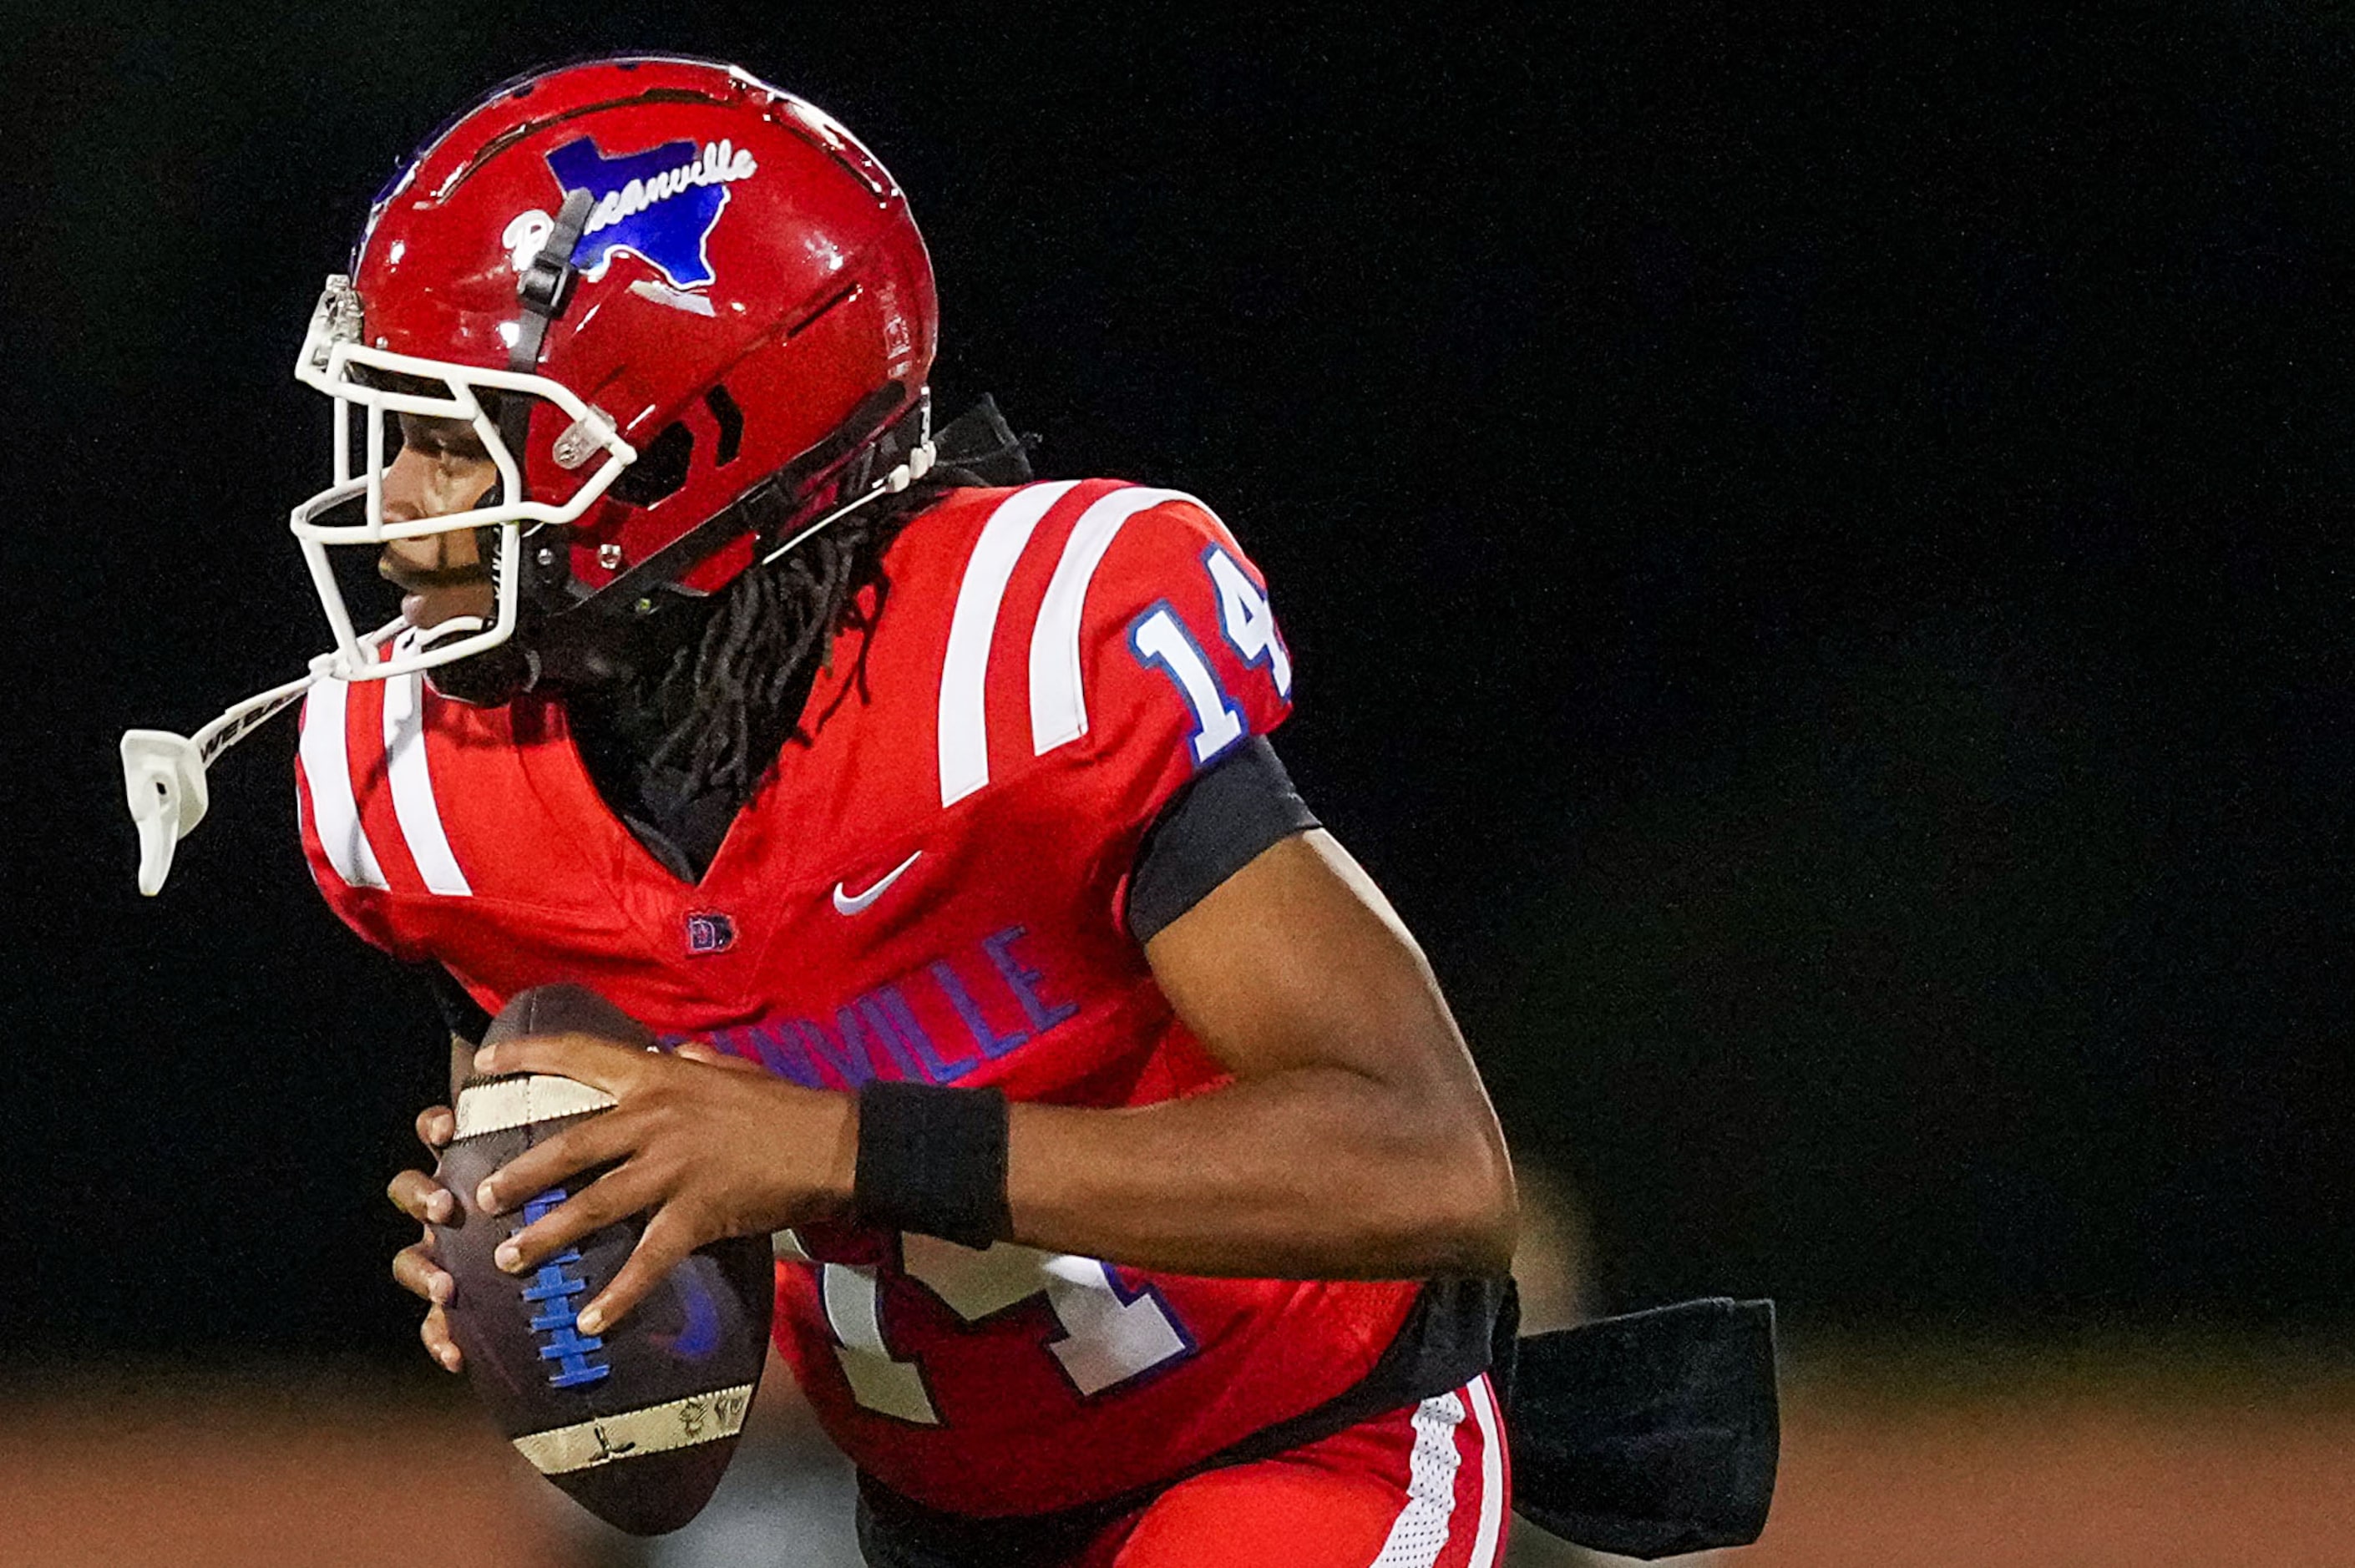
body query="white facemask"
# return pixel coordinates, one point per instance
(163, 772)
(333, 350)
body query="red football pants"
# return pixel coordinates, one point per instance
(1425, 1487)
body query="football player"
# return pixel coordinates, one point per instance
(1136, 1198)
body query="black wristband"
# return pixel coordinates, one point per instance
(932, 1160)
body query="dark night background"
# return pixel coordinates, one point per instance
(1816, 552)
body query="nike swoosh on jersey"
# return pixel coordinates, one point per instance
(847, 903)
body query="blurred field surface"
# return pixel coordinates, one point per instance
(195, 1471)
(2152, 1459)
(2151, 1456)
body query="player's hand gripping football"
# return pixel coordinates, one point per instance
(414, 1266)
(704, 1144)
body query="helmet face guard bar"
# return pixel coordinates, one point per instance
(332, 354)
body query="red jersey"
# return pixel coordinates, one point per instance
(932, 889)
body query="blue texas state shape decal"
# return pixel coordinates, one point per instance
(660, 204)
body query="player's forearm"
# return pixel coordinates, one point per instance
(1314, 1172)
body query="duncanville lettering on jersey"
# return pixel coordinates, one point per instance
(932, 1025)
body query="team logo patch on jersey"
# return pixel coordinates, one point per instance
(708, 932)
(660, 204)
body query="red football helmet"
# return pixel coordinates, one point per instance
(684, 311)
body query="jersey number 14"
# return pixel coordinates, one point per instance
(1109, 1334)
(1160, 640)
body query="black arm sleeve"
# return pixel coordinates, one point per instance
(1211, 829)
(461, 1012)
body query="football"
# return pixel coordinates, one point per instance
(637, 1423)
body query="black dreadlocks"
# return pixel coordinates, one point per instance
(678, 745)
(682, 744)
(734, 695)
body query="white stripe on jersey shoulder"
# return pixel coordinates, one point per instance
(964, 669)
(413, 784)
(327, 765)
(1059, 701)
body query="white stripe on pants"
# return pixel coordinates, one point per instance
(1423, 1527)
